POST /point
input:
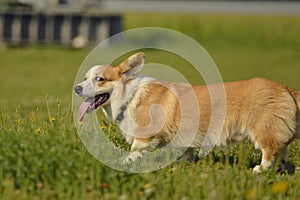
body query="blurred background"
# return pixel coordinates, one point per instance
(245, 38)
(79, 23)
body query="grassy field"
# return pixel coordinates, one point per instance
(41, 156)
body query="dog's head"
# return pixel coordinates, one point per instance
(100, 81)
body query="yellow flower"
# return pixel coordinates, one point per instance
(32, 119)
(280, 187)
(51, 119)
(38, 130)
(102, 126)
(20, 121)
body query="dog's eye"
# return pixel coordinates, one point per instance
(98, 78)
(85, 78)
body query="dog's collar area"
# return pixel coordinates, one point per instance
(120, 116)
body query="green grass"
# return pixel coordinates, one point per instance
(42, 157)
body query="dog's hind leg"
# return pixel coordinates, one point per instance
(282, 159)
(270, 157)
(267, 161)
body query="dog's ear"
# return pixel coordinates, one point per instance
(132, 65)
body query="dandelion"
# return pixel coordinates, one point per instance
(280, 187)
(38, 131)
(102, 126)
(51, 119)
(20, 121)
(32, 119)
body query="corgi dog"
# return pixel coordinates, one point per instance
(149, 111)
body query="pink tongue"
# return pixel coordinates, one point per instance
(84, 107)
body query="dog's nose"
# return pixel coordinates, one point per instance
(78, 89)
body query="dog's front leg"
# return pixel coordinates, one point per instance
(133, 156)
(139, 147)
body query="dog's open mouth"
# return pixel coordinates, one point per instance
(92, 103)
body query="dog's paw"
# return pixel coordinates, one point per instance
(132, 157)
(257, 169)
